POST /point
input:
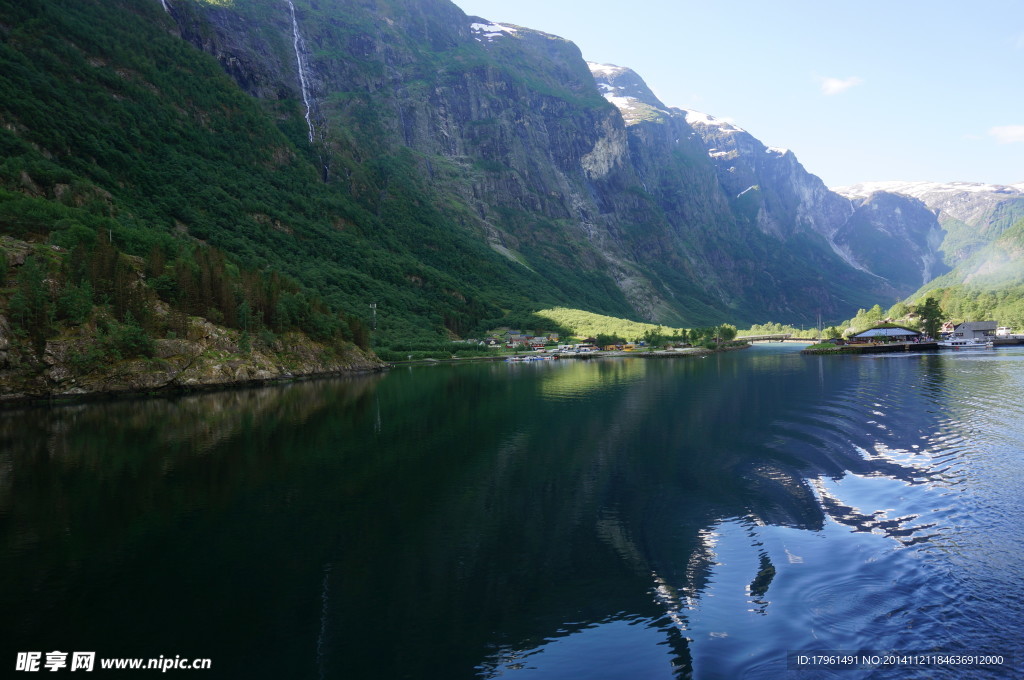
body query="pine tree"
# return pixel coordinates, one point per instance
(31, 310)
(931, 315)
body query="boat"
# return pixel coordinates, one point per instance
(966, 343)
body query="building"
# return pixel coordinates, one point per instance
(970, 330)
(886, 334)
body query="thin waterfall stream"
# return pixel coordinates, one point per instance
(297, 42)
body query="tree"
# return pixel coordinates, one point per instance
(244, 315)
(898, 311)
(30, 306)
(931, 315)
(726, 332)
(75, 302)
(654, 336)
(603, 340)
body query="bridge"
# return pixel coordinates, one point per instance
(778, 337)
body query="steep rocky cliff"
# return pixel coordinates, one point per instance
(522, 150)
(769, 215)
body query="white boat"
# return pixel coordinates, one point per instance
(966, 343)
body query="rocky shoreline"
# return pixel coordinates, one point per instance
(210, 357)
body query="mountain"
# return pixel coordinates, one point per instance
(567, 187)
(982, 244)
(972, 214)
(893, 241)
(280, 167)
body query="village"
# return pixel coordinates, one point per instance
(653, 337)
(515, 345)
(517, 341)
(889, 337)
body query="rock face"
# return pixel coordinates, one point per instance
(895, 239)
(577, 172)
(777, 208)
(894, 236)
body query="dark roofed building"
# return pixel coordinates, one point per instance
(886, 334)
(970, 330)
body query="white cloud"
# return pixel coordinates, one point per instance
(831, 86)
(1008, 134)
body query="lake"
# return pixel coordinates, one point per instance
(596, 519)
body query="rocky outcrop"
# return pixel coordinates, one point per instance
(210, 356)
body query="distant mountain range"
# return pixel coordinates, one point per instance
(972, 214)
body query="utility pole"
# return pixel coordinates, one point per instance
(373, 306)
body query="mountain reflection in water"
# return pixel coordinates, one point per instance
(624, 518)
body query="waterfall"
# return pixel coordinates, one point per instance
(297, 39)
(167, 7)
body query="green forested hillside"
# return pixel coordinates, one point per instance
(117, 136)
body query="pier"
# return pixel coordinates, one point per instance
(873, 348)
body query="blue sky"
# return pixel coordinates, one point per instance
(860, 91)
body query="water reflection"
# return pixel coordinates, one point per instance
(628, 518)
(576, 379)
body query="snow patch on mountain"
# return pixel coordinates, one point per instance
(622, 103)
(490, 31)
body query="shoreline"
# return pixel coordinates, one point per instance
(174, 389)
(589, 356)
(178, 390)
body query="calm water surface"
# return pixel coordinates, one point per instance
(604, 519)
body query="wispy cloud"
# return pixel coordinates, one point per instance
(1008, 134)
(831, 86)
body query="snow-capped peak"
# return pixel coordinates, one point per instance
(698, 118)
(920, 189)
(606, 70)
